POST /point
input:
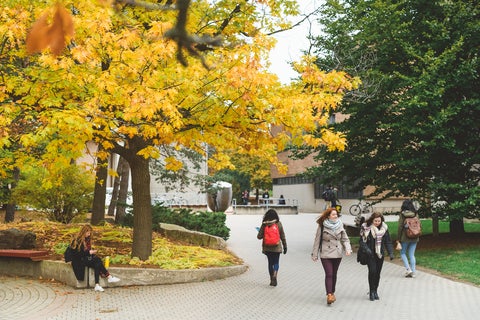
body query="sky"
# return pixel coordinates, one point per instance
(291, 43)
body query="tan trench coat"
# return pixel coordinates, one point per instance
(334, 243)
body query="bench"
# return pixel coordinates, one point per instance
(34, 255)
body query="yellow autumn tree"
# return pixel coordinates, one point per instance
(121, 83)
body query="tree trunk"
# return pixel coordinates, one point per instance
(123, 192)
(142, 208)
(116, 185)
(10, 207)
(457, 227)
(435, 225)
(9, 212)
(99, 196)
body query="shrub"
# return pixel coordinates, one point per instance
(212, 223)
(61, 196)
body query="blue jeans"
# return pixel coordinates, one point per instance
(409, 247)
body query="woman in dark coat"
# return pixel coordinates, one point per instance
(84, 256)
(374, 232)
(272, 252)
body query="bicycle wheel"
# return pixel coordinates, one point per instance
(368, 208)
(355, 210)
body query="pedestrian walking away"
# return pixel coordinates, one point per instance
(409, 245)
(374, 233)
(331, 241)
(274, 242)
(84, 256)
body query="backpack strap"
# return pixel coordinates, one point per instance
(321, 237)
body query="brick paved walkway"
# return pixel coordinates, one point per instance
(299, 295)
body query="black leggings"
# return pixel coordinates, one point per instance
(98, 267)
(273, 261)
(375, 265)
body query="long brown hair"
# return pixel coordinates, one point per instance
(79, 239)
(373, 216)
(325, 214)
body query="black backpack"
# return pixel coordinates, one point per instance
(68, 254)
(328, 195)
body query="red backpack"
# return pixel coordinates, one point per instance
(271, 235)
(413, 227)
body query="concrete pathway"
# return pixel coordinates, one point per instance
(299, 294)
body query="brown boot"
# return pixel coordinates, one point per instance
(334, 298)
(330, 298)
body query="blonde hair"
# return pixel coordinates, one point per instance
(79, 239)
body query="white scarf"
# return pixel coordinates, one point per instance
(377, 234)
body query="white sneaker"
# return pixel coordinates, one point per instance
(409, 274)
(413, 275)
(112, 279)
(99, 288)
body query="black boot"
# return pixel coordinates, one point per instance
(372, 296)
(271, 280)
(274, 279)
(375, 295)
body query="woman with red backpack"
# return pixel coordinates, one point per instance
(273, 243)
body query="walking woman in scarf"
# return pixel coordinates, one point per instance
(331, 240)
(272, 251)
(85, 256)
(374, 232)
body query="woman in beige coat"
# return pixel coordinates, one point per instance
(331, 240)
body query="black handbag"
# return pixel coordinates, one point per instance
(363, 253)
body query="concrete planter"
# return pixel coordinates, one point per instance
(62, 272)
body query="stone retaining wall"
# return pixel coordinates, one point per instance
(62, 272)
(197, 238)
(260, 210)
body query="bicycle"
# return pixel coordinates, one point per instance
(360, 207)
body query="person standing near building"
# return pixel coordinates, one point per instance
(331, 241)
(374, 232)
(409, 245)
(334, 197)
(271, 220)
(330, 195)
(245, 196)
